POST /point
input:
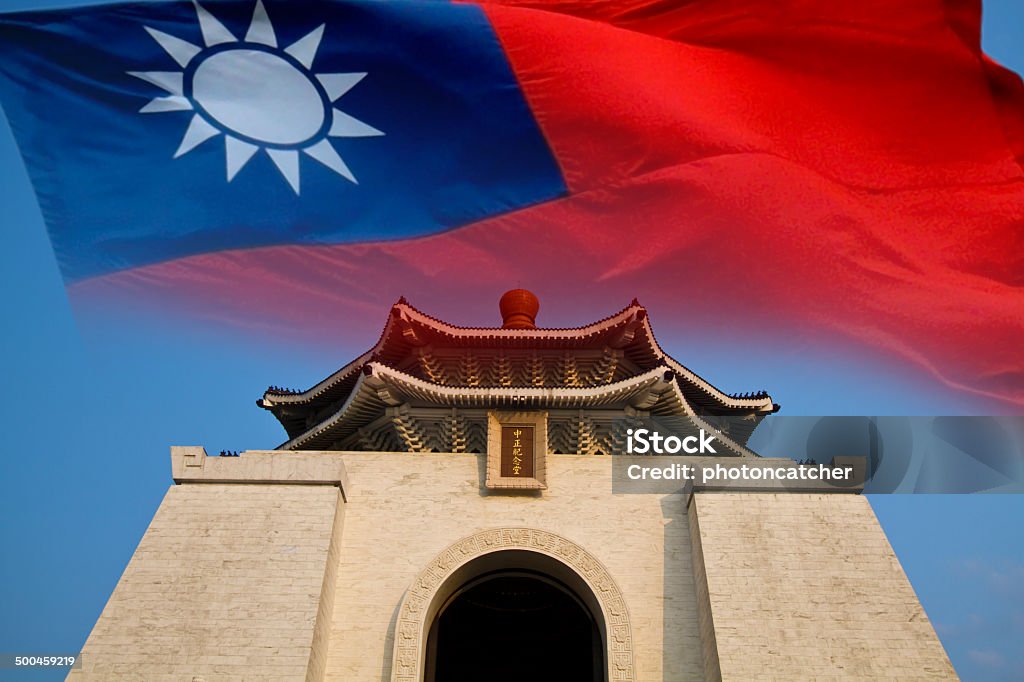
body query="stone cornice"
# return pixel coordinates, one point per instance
(191, 464)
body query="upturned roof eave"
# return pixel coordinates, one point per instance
(472, 395)
(272, 399)
(376, 376)
(403, 313)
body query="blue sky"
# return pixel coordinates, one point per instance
(92, 407)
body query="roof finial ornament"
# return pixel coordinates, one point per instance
(518, 309)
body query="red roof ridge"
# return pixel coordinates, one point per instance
(403, 303)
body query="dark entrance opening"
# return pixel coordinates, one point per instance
(511, 626)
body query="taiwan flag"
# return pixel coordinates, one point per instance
(783, 169)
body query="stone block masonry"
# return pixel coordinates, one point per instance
(806, 586)
(228, 581)
(294, 566)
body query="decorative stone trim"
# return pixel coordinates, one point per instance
(536, 420)
(420, 604)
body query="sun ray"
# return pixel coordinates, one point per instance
(261, 30)
(287, 161)
(344, 125)
(161, 104)
(324, 152)
(171, 81)
(337, 84)
(180, 50)
(214, 32)
(199, 131)
(238, 153)
(304, 49)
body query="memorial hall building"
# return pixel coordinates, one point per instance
(442, 510)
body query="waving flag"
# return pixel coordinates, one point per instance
(160, 131)
(809, 167)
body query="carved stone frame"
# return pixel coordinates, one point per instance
(448, 571)
(539, 422)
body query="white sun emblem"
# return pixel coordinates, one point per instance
(257, 95)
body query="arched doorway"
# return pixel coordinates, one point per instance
(508, 626)
(491, 552)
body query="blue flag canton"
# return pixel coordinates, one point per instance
(156, 131)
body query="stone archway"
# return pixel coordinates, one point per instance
(460, 560)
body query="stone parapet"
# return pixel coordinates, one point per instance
(191, 464)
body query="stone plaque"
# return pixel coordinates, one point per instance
(517, 445)
(517, 451)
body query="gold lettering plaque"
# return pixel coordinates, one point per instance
(516, 449)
